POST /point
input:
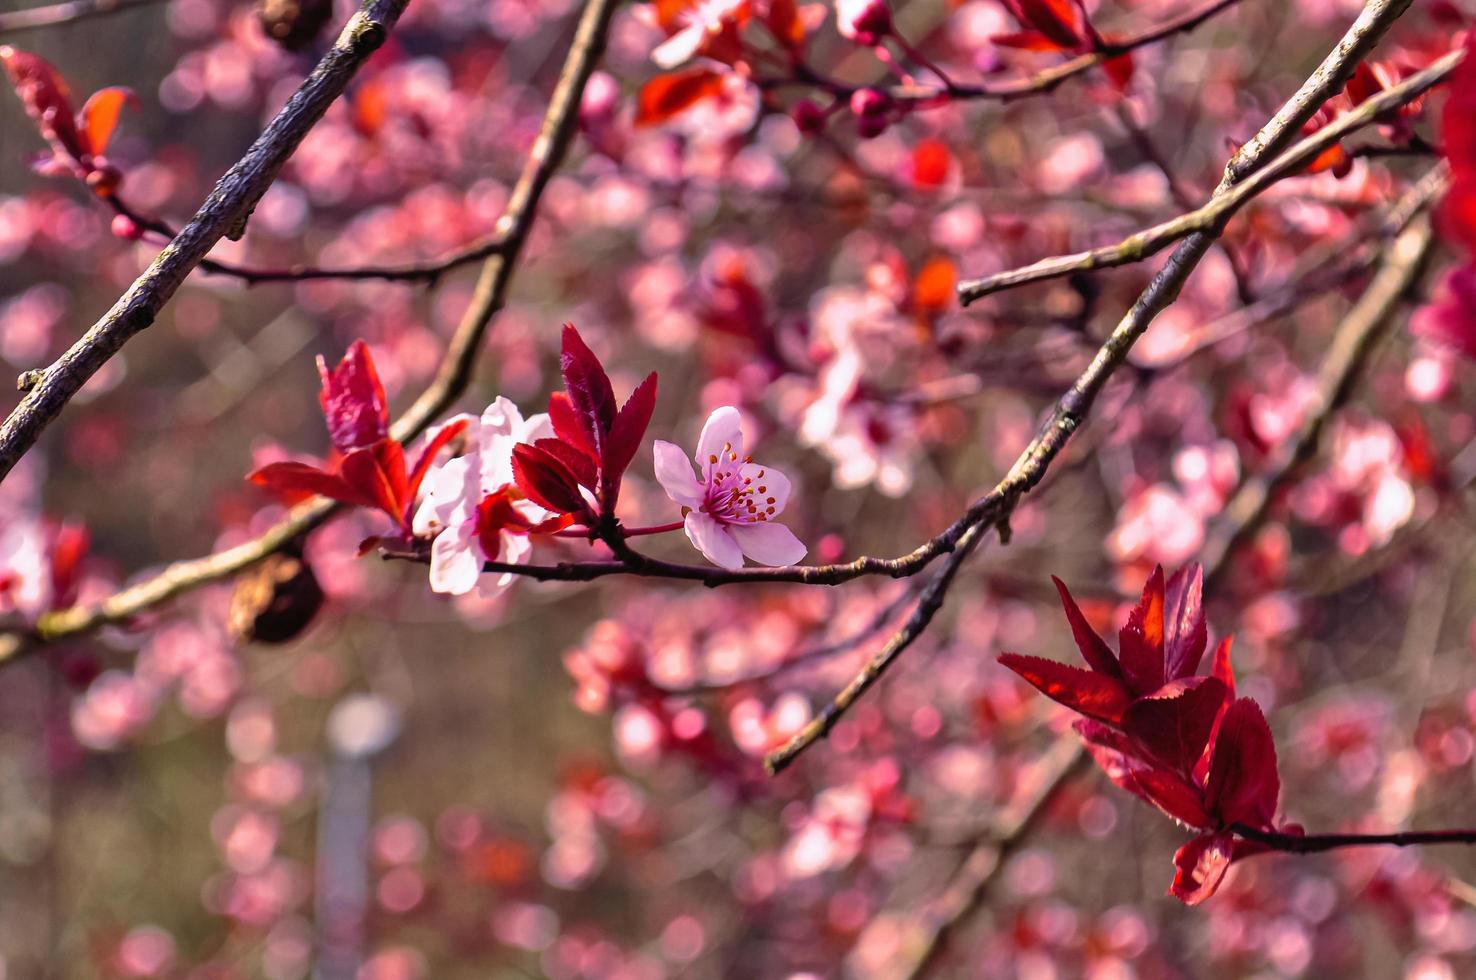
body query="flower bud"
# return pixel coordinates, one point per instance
(126, 228)
(808, 117)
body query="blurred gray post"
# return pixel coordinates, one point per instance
(359, 728)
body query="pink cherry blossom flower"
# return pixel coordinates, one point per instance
(456, 487)
(733, 506)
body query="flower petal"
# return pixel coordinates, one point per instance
(455, 564)
(772, 485)
(713, 540)
(674, 473)
(724, 428)
(768, 543)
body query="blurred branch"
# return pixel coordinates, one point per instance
(1212, 217)
(427, 272)
(1039, 83)
(559, 123)
(228, 205)
(16, 21)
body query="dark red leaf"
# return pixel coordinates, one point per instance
(353, 400)
(566, 424)
(378, 472)
(1243, 785)
(579, 463)
(1120, 758)
(546, 481)
(589, 389)
(292, 480)
(1140, 642)
(628, 430)
(1090, 693)
(1185, 633)
(1093, 648)
(1175, 723)
(1200, 866)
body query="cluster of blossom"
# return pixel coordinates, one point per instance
(508, 479)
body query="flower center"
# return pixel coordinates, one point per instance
(733, 498)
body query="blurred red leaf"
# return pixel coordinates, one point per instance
(669, 95)
(100, 116)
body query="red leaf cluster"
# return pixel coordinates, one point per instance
(1450, 319)
(1177, 739)
(78, 139)
(367, 468)
(594, 442)
(1062, 26)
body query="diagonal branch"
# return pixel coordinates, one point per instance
(228, 205)
(559, 124)
(1214, 215)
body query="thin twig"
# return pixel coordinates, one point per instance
(427, 272)
(1213, 216)
(235, 195)
(544, 159)
(1038, 83)
(16, 21)
(1317, 843)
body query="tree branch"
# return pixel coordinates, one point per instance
(559, 123)
(227, 206)
(1212, 217)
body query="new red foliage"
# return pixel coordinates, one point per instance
(367, 468)
(1177, 740)
(78, 141)
(595, 441)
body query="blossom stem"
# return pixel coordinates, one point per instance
(1315, 843)
(581, 531)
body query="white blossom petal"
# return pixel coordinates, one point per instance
(674, 473)
(713, 540)
(456, 561)
(768, 543)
